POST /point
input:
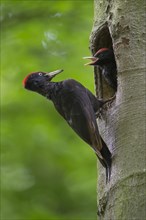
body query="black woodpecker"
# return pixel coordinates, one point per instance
(105, 59)
(77, 105)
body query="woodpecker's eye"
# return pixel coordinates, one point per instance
(40, 74)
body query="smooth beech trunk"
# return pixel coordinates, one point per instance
(121, 25)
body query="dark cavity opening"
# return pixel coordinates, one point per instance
(101, 39)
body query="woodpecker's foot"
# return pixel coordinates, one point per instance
(109, 101)
(99, 113)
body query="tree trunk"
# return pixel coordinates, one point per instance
(120, 25)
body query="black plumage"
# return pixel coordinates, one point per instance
(105, 60)
(77, 105)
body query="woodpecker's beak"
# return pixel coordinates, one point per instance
(94, 60)
(54, 73)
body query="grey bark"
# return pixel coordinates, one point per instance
(121, 25)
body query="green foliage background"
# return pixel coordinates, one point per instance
(48, 172)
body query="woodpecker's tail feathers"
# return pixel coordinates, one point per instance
(106, 161)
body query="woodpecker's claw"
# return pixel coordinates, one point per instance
(99, 113)
(108, 103)
(110, 100)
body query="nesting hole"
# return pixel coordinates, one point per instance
(101, 39)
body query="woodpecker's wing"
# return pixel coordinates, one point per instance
(75, 103)
(82, 120)
(96, 103)
(78, 112)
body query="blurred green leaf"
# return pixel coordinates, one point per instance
(48, 172)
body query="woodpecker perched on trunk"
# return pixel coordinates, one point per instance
(105, 59)
(77, 105)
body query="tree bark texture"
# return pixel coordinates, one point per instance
(120, 25)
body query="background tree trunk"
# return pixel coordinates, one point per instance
(120, 25)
